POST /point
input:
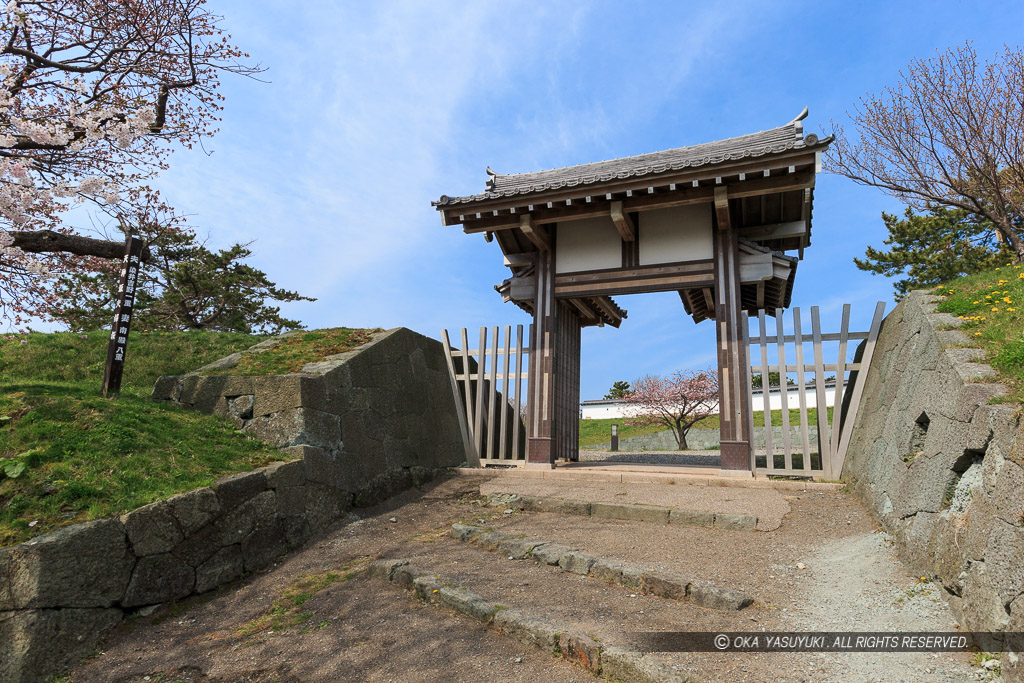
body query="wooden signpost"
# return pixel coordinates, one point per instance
(122, 315)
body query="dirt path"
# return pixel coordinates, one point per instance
(316, 616)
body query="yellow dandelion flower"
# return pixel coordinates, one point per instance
(977, 334)
(988, 296)
(994, 309)
(939, 287)
(1011, 309)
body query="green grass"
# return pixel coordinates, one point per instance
(594, 432)
(67, 454)
(287, 611)
(295, 351)
(991, 304)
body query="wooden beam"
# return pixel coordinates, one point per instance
(661, 278)
(623, 222)
(760, 295)
(775, 231)
(525, 259)
(534, 233)
(709, 300)
(722, 207)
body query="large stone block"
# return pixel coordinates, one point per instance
(165, 388)
(640, 513)
(159, 578)
(561, 506)
(325, 505)
(283, 392)
(37, 644)
(194, 509)
(236, 489)
(291, 500)
(340, 470)
(550, 553)
(718, 597)
(665, 585)
(282, 474)
(239, 523)
(982, 607)
(82, 565)
(199, 547)
(529, 630)
(152, 529)
(297, 426)
(225, 565)
(266, 542)
(1004, 560)
(692, 517)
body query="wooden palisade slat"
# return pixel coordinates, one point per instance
(467, 384)
(492, 393)
(841, 369)
(471, 457)
(824, 449)
(769, 446)
(858, 388)
(504, 392)
(516, 426)
(478, 431)
(801, 388)
(784, 391)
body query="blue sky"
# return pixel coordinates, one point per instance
(373, 109)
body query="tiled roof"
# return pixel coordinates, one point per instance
(774, 141)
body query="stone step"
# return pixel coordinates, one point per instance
(572, 560)
(560, 639)
(625, 511)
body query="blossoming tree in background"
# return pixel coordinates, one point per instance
(93, 97)
(678, 401)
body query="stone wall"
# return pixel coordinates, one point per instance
(941, 467)
(702, 439)
(362, 418)
(391, 401)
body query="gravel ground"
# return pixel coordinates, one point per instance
(768, 504)
(364, 629)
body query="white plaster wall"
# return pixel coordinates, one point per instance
(682, 233)
(611, 410)
(587, 244)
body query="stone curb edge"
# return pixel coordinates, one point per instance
(568, 559)
(635, 477)
(626, 511)
(610, 662)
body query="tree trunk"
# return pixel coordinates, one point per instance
(681, 438)
(48, 241)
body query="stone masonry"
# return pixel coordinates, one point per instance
(361, 420)
(942, 468)
(362, 425)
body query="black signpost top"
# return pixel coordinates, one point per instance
(122, 315)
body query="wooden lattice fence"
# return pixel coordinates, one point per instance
(821, 458)
(489, 400)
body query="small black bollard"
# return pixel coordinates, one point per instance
(615, 437)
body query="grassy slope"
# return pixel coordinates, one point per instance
(992, 307)
(290, 354)
(593, 432)
(82, 456)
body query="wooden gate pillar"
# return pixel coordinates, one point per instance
(540, 404)
(553, 402)
(733, 373)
